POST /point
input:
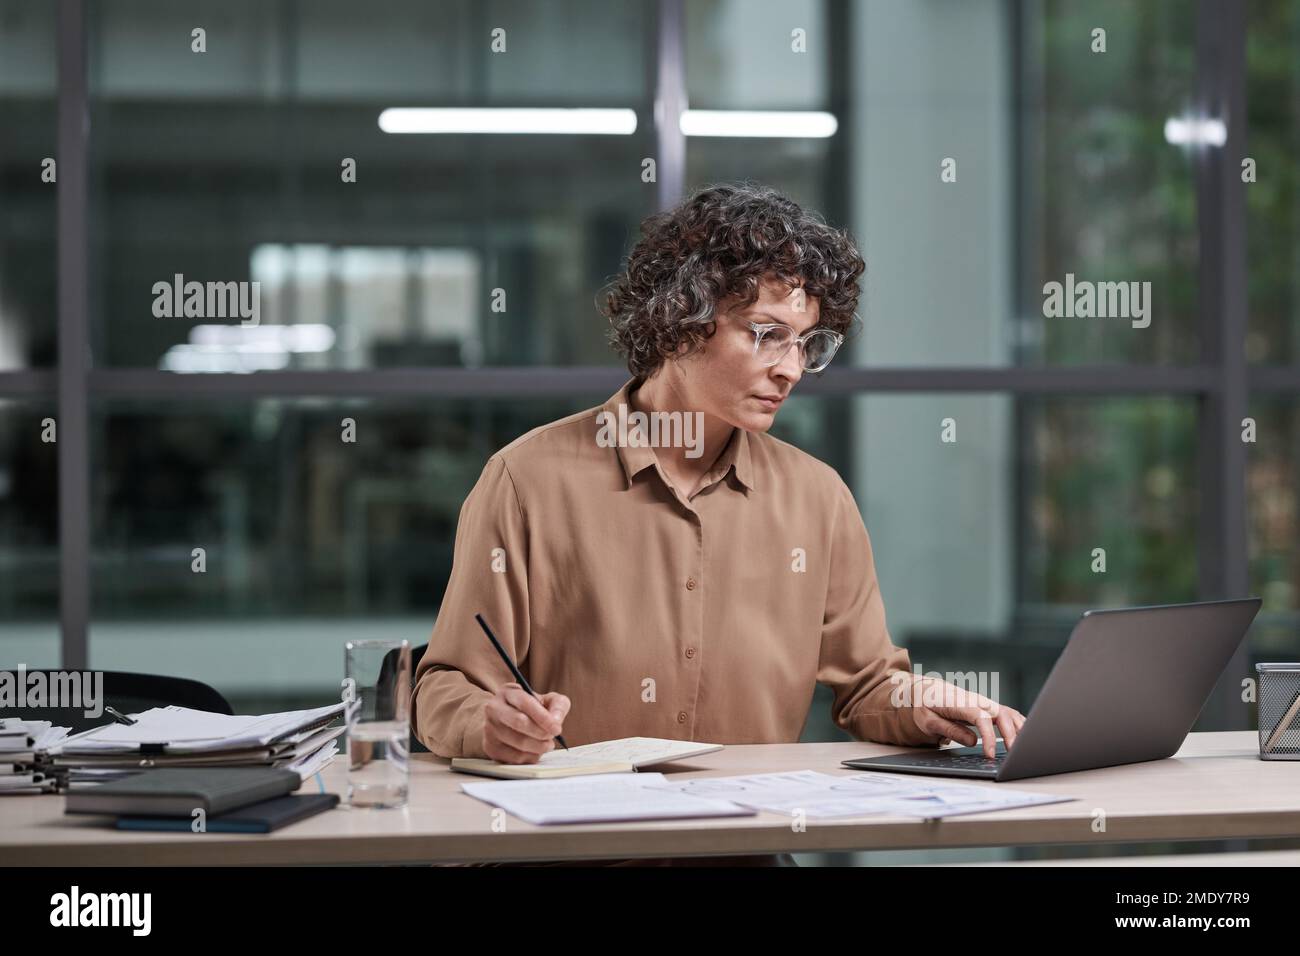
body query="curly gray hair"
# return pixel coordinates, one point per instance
(722, 242)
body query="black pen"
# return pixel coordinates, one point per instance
(510, 664)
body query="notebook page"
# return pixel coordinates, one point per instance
(630, 750)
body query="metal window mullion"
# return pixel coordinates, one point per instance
(548, 381)
(28, 383)
(1223, 557)
(670, 101)
(73, 437)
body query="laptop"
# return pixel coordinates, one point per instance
(1127, 688)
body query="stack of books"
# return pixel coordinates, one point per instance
(301, 741)
(203, 800)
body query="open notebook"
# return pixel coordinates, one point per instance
(606, 756)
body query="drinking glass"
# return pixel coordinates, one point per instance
(377, 695)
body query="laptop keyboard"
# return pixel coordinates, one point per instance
(954, 758)
(977, 763)
(959, 761)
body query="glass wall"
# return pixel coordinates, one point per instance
(274, 530)
(1271, 184)
(29, 561)
(1273, 192)
(262, 160)
(28, 185)
(438, 291)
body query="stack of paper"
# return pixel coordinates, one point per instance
(299, 740)
(23, 746)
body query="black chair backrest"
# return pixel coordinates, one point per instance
(388, 667)
(124, 691)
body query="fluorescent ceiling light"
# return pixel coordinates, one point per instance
(759, 123)
(187, 358)
(1195, 131)
(308, 337)
(610, 122)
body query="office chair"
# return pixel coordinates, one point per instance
(385, 671)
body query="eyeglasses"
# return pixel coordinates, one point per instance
(772, 341)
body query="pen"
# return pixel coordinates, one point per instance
(1283, 724)
(510, 664)
(118, 716)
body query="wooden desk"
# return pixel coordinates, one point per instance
(1216, 787)
(1272, 858)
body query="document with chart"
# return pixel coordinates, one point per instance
(826, 795)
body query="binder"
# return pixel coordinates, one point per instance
(180, 730)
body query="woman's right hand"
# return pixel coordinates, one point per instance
(519, 727)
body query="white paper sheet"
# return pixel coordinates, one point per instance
(598, 798)
(313, 763)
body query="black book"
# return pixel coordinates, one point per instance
(179, 791)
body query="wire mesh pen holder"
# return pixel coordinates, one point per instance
(1279, 711)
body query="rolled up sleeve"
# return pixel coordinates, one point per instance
(858, 661)
(460, 670)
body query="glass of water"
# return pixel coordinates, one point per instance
(377, 692)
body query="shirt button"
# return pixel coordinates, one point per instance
(681, 717)
(690, 653)
(690, 584)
